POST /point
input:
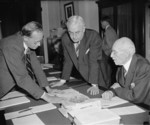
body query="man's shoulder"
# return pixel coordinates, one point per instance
(141, 61)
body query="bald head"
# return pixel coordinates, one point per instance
(123, 49)
(125, 44)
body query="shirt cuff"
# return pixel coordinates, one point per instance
(113, 91)
(94, 85)
(62, 80)
(43, 95)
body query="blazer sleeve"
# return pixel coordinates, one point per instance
(140, 93)
(40, 75)
(19, 73)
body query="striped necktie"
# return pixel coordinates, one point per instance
(29, 67)
(77, 48)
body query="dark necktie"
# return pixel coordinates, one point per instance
(123, 74)
(29, 67)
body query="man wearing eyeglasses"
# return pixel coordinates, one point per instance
(82, 49)
(19, 66)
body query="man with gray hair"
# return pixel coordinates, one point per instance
(19, 66)
(82, 49)
(133, 75)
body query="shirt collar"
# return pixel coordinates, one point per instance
(107, 27)
(26, 47)
(127, 64)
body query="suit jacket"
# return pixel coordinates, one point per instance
(110, 36)
(89, 53)
(136, 87)
(13, 70)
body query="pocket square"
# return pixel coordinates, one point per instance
(87, 51)
(132, 85)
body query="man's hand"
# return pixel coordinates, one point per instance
(107, 95)
(58, 83)
(94, 90)
(53, 99)
(115, 85)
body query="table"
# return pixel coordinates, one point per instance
(54, 117)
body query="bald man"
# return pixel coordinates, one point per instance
(133, 75)
(85, 58)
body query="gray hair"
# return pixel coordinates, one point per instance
(75, 20)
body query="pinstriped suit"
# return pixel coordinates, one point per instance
(13, 71)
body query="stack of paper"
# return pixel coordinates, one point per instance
(12, 102)
(113, 102)
(28, 120)
(95, 116)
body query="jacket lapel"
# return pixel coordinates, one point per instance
(130, 73)
(72, 53)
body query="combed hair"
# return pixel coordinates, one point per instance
(30, 27)
(73, 20)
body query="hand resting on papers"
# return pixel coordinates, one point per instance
(57, 83)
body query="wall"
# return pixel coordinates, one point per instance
(53, 13)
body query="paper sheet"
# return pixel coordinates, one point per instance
(16, 114)
(47, 66)
(113, 102)
(51, 78)
(12, 102)
(13, 95)
(28, 120)
(128, 110)
(41, 108)
(32, 110)
(56, 72)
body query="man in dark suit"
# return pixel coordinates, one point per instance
(84, 57)
(133, 75)
(109, 37)
(13, 70)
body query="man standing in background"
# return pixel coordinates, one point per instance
(109, 37)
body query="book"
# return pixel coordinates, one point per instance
(95, 116)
